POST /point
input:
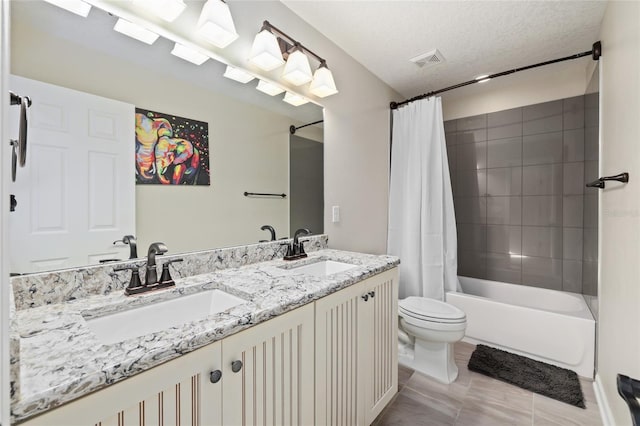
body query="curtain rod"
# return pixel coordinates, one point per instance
(292, 128)
(595, 53)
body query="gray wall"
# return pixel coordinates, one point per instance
(518, 177)
(306, 184)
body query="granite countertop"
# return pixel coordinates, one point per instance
(61, 359)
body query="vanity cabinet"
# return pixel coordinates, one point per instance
(327, 363)
(270, 385)
(356, 351)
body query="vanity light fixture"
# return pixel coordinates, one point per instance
(268, 52)
(189, 54)
(135, 31)
(297, 71)
(78, 7)
(265, 51)
(295, 100)
(238, 75)
(168, 10)
(216, 24)
(268, 88)
(323, 84)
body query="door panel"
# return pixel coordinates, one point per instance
(76, 194)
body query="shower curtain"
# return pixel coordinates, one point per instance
(422, 227)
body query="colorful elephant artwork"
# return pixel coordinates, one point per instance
(171, 150)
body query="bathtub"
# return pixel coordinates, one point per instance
(548, 325)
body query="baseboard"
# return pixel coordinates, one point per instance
(603, 403)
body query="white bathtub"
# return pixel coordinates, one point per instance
(548, 325)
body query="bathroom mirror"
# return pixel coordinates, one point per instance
(248, 131)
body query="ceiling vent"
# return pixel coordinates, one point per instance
(428, 59)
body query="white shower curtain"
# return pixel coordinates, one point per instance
(422, 227)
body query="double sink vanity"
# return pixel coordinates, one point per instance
(244, 337)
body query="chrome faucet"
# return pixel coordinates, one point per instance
(155, 249)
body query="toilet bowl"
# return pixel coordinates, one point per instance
(428, 329)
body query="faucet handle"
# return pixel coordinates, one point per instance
(290, 250)
(165, 278)
(135, 286)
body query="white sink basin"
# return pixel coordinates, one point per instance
(323, 268)
(161, 316)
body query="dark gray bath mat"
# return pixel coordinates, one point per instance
(539, 377)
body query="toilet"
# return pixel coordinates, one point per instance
(428, 330)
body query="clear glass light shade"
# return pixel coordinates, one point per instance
(135, 31)
(323, 84)
(295, 100)
(238, 74)
(168, 10)
(189, 54)
(268, 88)
(265, 52)
(216, 24)
(297, 71)
(76, 6)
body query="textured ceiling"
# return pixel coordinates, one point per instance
(475, 37)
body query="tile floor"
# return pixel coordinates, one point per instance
(476, 400)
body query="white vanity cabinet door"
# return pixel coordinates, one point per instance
(338, 344)
(379, 363)
(177, 393)
(275, 384)
(357, 351)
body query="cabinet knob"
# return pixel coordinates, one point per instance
(236, 366)
(372, 294)
(365, 297)
(215, 376)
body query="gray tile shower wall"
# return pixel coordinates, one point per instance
(523, 213)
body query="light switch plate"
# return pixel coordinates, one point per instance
(336, 214)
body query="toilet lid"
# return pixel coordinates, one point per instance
(423, 307)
